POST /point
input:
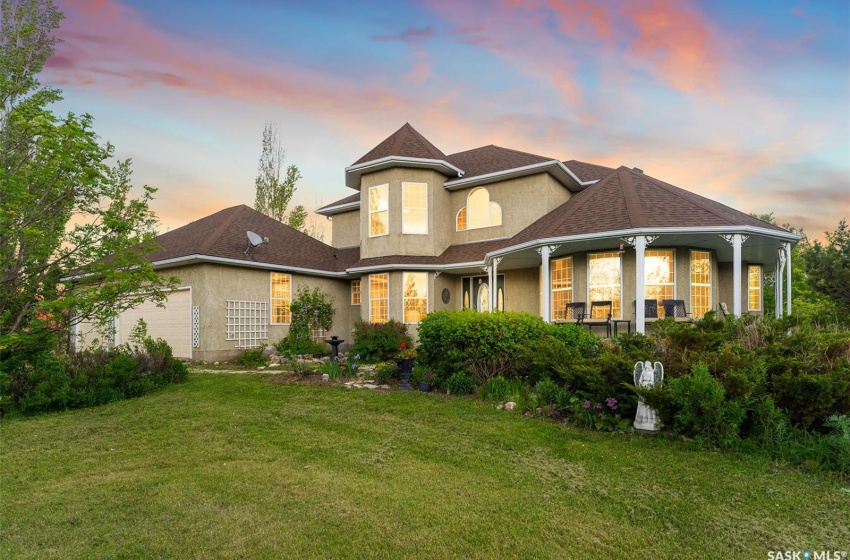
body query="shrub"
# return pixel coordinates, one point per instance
(43, 381)
(293, 347)
(376, 342)
(385, 371)
(547, 392)
(253, 357)
(703, 411)
(460, 384)
(482, 344)
(576, 339)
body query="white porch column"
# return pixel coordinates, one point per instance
(494, 291)
(788, 277)
(640, 283)
(546, 312)
(736, 274)
(778, 281)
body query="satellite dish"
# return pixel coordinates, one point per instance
(255, 240)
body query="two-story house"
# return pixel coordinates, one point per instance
(488, 228)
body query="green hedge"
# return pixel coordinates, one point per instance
(378, 342)
(42, 381)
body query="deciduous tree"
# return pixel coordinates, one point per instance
(73, 237)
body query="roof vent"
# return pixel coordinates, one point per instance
(637, 169)
(254, 240)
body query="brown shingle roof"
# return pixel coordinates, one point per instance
(587, 171)
(348, 199)
(223, 235)
(489, 159)
(454, 254)
(627, 199)
(405, 141)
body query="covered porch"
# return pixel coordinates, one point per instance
(701, 267)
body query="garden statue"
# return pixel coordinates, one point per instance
(647, 375)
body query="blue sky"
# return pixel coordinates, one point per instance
(744, 102)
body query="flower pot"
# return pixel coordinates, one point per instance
(405, 370)
(424, 387)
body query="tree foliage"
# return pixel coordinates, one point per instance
(829, 267)
(274, 192)
(311, 310)
(73, 238)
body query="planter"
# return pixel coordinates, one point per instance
(405, 370)
(424, 387)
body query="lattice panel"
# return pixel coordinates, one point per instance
(247, 322)
(196, 326)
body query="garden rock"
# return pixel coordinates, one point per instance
(325, 378)
(510, 405)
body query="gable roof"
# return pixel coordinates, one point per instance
(347, 204)
(405, 142)
(628, 199)
(223, 236)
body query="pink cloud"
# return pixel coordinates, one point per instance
(111, 46)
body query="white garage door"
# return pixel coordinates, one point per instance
(171, 323)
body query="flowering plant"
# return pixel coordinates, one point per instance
(405, 351)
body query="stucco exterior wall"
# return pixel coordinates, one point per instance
(345, 229)
(213, 285)
(726, 272)
(396, 243)
(523, 201)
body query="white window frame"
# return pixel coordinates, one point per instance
(405, 298)
(371, 298)
(370, 211)
(273, 299)
(691, 283)
(359, 291)
(760, 287)
(571, 289)
(587, 283)
(660, 304)
(404, 225)
(490, 204)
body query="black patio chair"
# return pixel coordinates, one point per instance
(574, 312)
(599, 316)
(676, 308)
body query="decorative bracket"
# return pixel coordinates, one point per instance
(552, 249)
(485, 268)
(651, 238)
(437, 273)
(730, 238)
(496, 261)
(630, 241)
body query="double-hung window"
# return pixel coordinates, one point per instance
(700, 283)
(379, 298)
(414, 208)
(281, 298)
(754, 287)
(562, 287)
(659, 276)
(604, 280)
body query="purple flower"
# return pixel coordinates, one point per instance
(586, 404)
(598, 406)
(568, 386)
(611, 402)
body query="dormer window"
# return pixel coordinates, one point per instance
(379, 213)
(479, 212)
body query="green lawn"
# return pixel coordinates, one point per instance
(239, 466)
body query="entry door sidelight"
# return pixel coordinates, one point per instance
(476, 293)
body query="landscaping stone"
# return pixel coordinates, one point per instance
(270, 351)
(510, 405)
(325, 378)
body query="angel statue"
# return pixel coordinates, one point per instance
(647, 375)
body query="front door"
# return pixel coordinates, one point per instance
(476, 292)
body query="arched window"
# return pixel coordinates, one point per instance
(479, 212)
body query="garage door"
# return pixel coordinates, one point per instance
(171, 323)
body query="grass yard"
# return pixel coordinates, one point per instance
(239, 466)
